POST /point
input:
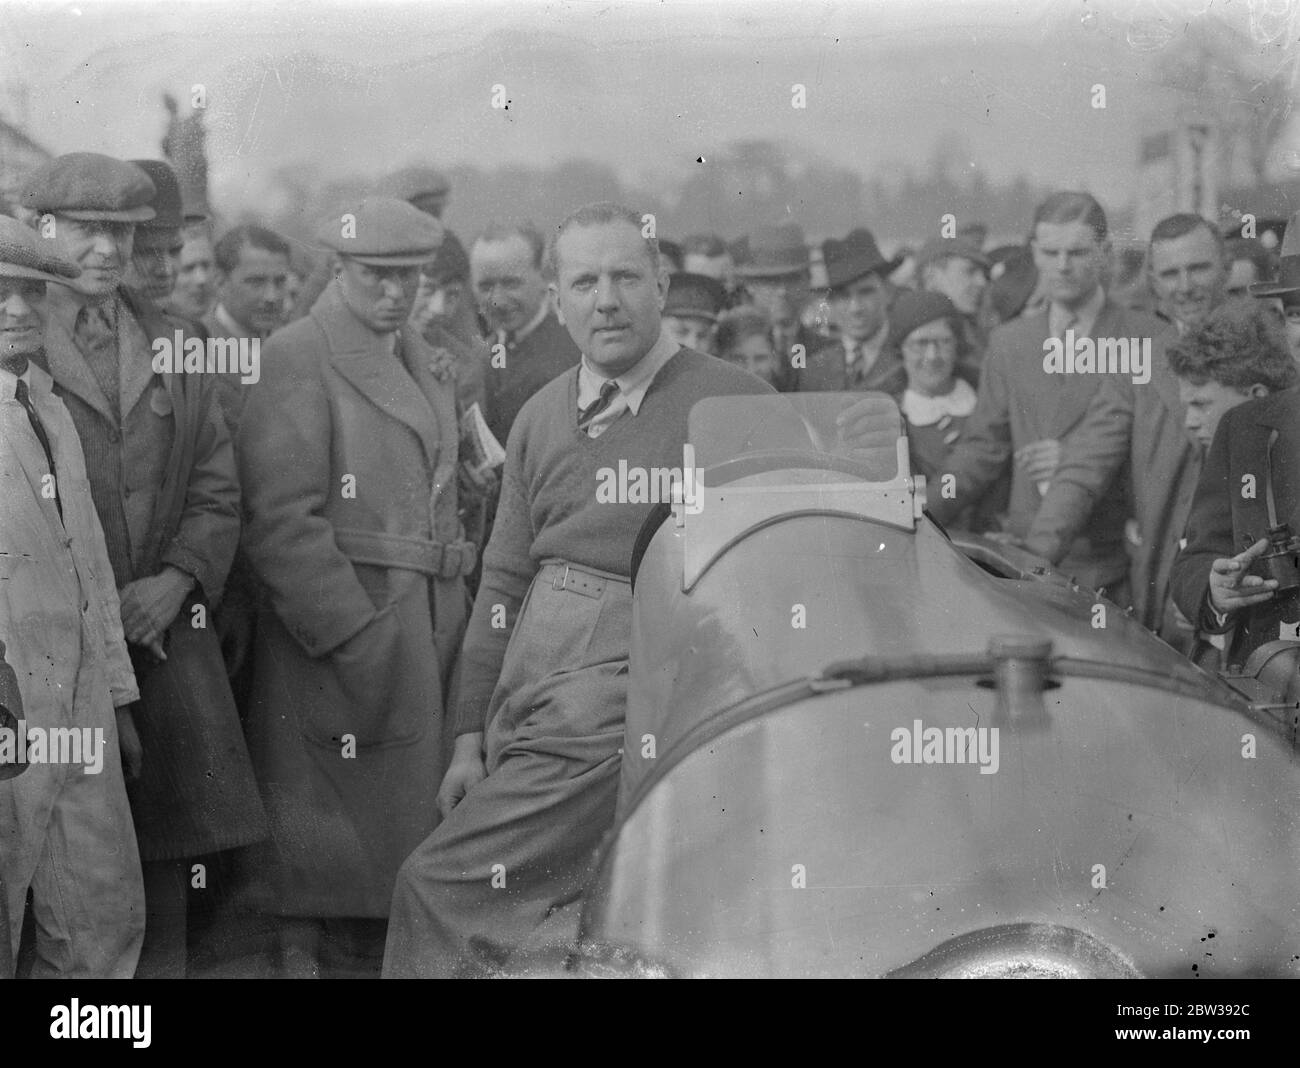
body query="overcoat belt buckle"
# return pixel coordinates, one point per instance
(578, 582)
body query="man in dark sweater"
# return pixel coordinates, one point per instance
(534, 777)
(529, 345)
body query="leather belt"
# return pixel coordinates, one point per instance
(580, 580)
(443, 560)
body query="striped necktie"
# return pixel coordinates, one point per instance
(606, 398)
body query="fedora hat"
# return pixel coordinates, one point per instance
(772, 251)
(857, 255)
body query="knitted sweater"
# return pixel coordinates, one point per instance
(549, 507)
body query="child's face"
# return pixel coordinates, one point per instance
(755, 354)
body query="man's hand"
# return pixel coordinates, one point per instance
(1231, 589)
(149, 605)
(466, 770)
(128, 741)
(1039, 459)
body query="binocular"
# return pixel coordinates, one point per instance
(1282, 561)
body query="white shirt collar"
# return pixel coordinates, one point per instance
(9, 381)
(633, 384)
(924, 410)
(868, 348)
(1085, 316)
(530, 326)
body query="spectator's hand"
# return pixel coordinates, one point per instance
(467, 769)
(1231, 589)
(149, 605)
(128, 741)
(1039, 459)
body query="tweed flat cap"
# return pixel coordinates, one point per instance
(21, 255)
(384, 232)
(164, 229)
(86, 185)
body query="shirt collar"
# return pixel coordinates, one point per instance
(531, 325)
(1085, 317)
(635, 383)
(65, 305)
(9, 381)
(868, 349)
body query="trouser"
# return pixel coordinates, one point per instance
(68, 836)
(520, 846)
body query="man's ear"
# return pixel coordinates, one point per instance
(661, 283)
(553, 295)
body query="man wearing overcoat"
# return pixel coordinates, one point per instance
(348, 455)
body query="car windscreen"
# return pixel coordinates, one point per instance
(852, 434)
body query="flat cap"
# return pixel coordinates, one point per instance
(416, 181)
(941, 248)
(694, 296)
(86, 185)
(21, 255)
(384, 232)
(163, 230)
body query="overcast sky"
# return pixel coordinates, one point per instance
(646, 86)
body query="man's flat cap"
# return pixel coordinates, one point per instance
(163, 230)
(86, 185)
(694, 296)
(21, 255)
(384, 232)
(942, 248)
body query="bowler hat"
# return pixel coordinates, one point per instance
(384, 232)
(854, 257)
(1288, 267)
(21, 255)
(694, 296)
(939, 248)
(86, 185)
(772, 251)
(451, 263)
(164, 229)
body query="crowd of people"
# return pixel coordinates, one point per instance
(362, 694)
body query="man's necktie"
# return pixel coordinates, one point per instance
(24, 398)
(96, 336)
(606, 398)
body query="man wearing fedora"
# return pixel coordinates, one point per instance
(65, 830)
(691, 310)
(859, 359)
(1136, 433)
(1283, 292)
(1025, 416)
(162, 477)
(772, 263)
(348, 455)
